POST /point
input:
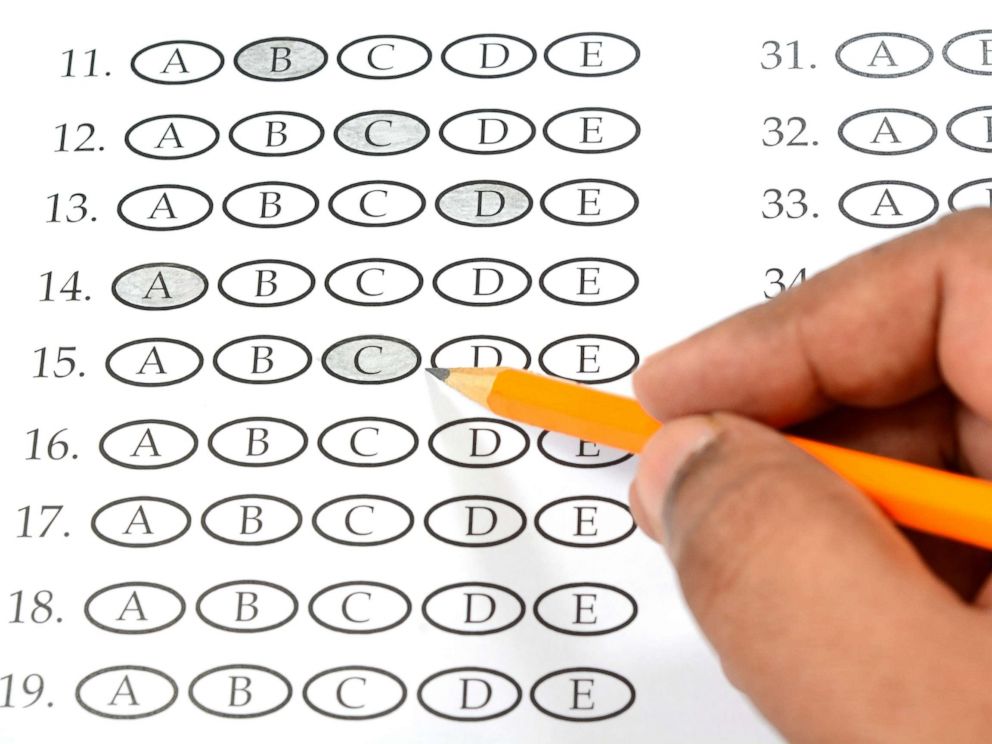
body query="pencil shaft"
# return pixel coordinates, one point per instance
(580, 411)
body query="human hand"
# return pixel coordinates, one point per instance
(839, 626)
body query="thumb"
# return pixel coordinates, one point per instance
(819, 609)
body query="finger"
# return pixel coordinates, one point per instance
(876, 330)
(819, 609)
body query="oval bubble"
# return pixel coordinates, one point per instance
(376, 203)
(483, 203)
(479, 442)
(271, 204)
(589, 281)
(469, 694)
(589, 202)
(374, 282)
(972, 194)
(590, 358)
(240, 691)
(585, 609)
(887, 131)
(585, 521)
(154, 362)
(266, 283)
(578, 453)
(257, 442)
(371, 360)
(482, 282)
(147, 692)
(488, 56)
(592, 54)
(607, 694)
(382, 132)
(967, 52)
(363, 520)
(148, 444)
(888, 204)
(970, 129)
(481, 351)
(591, 130)
(251, 519)
(165, 207)
(159, 286)
(487, 131)
(276, 134)
(134, 608)
(354, 692)
(368, 442)
(360, 607)
(140, 522)
(473, 608)
(177, 62)
(384, 57)
(884, 55)
(171, 137)
(475, 521)
(246, 606)
(262, 360)
(279, 59)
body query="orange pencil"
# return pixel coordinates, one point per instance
(926, 499)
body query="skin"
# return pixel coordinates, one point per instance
(839, 626)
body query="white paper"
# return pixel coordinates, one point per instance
(701, 104)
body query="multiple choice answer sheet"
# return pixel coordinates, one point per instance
(235, 506)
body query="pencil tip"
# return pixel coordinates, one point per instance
(439, 372)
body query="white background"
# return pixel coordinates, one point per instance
(698, 242)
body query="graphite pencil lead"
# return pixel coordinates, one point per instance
(439, 372)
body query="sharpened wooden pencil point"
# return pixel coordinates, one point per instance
(472, 382)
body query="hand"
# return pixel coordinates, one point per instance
(839, 626)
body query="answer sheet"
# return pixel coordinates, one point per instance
(235, 506)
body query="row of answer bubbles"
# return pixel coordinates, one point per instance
(265, 441)
(386, 57)
(366, 360)
(892, 55)
(894, 131)
(482, 203)
(364, 520)
(376, 282)
(362, 607)
(383, 132)
(896, 204)
(356, 693)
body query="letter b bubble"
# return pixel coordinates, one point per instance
(246, 606)
(280, 59)
(240, 691)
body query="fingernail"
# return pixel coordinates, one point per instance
(664, 462)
